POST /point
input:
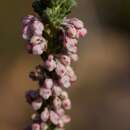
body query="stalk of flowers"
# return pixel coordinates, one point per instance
(73, 30)
(50, 101)
(32, 32)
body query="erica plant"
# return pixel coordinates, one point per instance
(53, 37)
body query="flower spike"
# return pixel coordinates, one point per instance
(53, 37)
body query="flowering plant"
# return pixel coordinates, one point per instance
(53, 37)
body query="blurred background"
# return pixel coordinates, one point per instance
(101, 96)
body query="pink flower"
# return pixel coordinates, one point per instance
(36, 105)
(71, 31)
(76, 22)
(65, 81)
(37, 50)
(67, 104)
(81, 33)
(60, 69)
(50, 63)
(70, 72)
(73, 56)
(32, 26)
(65, 60)
(57, 90)
(60, 112)
(48, 83)
(37, 27)
(54, 118)
(36, 40)
(57, 103)
(27, 33)
(27, 19)
(70, 44)
(35, 126)
(45, 115)
(39, 45)
(45, 93)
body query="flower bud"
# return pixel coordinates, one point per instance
(64, 95)
(26, 33)
(37, 50)
(81, 33)
(60, 112)
(37, 27)
(71, 31)
(48, 83)
(39, 45)
(45, 115)
(76, 22)
(50, 63)
(65, 60)
(57, 103)
(65, 81)
(27, 19)
(70, 72)
(54, 118)
(67, 104)
(35, 40)
(37, 104)
(70, 44)
(60, 69)
(45, 93)
(31, 26)
(73, 56)
(57, 90)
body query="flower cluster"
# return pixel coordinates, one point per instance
(50, 103)
(32, 32)
(57, 44)
(73, 30)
